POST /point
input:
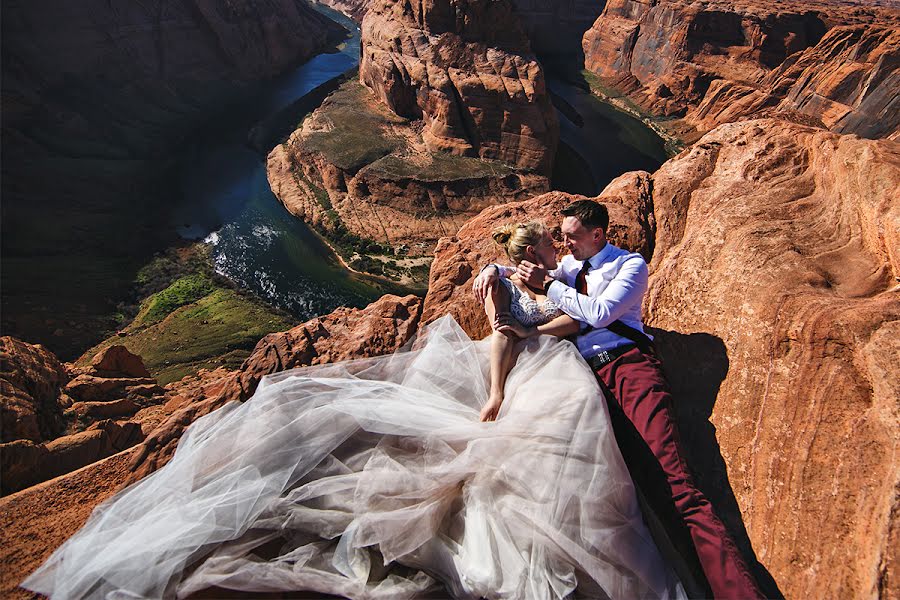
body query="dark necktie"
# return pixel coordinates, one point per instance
(581, 279)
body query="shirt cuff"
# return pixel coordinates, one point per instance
(555, 291)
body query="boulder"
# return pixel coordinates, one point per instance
(118, 361)
(30, 382)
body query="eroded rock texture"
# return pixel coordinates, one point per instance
(356, 166)
(714, 62)
(58, 417)
(466, 70)
(784, 242)
(773, 298)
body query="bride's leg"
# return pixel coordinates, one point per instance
(501, 351)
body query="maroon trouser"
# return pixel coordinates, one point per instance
(636, 382)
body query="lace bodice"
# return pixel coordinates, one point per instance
(527, 311)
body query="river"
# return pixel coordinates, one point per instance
(226, 200)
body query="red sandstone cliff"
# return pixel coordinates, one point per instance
(715, 61)
(773, 298)
(466, 70)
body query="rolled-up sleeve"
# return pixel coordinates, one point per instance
(625, 290)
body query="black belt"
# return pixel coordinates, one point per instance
(607, 356)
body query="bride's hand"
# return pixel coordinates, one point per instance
(509, 325)
(490, 410)
(482, 284)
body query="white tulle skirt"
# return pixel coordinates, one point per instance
(375, 479)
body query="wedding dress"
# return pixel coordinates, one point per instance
(375, 479)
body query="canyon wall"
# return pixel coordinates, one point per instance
(713, 62)
(98, 100)
(466, 70)
(774, 302)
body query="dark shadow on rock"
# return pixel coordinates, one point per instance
(695, 366)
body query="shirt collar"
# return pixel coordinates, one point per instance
(601, 257)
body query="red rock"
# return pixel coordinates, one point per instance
(102, 389)
(30, 381)
(774, 302)
(458, 259)
(465, 69)
(717, 61)
(104, 410)
(118, 361)
(782, 244)
(380, 328)
(25, 463)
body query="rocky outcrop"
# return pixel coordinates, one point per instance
(382, 327)
(773, 298)
(97, 102)
(354, 167)
(458, 259)
(355, 9)
(715, 61)
(57, 416)
(466, 70)
(31, 378)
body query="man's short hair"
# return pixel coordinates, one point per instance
(591, 214)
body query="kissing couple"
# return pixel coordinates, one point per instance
(478, 469)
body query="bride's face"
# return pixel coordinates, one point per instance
(545, 252)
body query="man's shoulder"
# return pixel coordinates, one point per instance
(622, 255)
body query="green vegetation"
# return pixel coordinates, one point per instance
(197, 320)
(358, 136)
(183, 291)
(443, 167)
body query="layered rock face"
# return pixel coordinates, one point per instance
(57, 417)
(97, 99)
(773, 298)
(354, 166)
(466, 70)
(713, 62)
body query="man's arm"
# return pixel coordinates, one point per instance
(485, 280)
(623, 292)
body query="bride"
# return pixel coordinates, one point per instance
(469, 468)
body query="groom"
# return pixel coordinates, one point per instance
(602, 286)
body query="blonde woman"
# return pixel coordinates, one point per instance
(517, 311)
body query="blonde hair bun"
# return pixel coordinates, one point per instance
(516, 237)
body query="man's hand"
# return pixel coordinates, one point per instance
(484, 282)
(532, 274)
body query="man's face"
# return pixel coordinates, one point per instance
(581, 241)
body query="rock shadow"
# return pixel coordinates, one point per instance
(695, 366)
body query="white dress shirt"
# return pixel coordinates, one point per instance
(616, 283)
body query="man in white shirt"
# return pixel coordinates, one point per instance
(602, 286)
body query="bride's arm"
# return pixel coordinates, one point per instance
(501, 351)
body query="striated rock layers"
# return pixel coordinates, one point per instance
(466, 70)
(774, 301)
(716, 61)
(57, 417)
(355, 167)
(97, 101)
